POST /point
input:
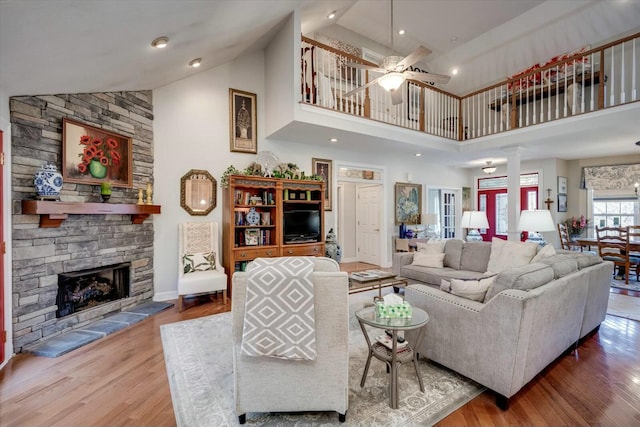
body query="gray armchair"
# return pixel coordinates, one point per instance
(267, 384)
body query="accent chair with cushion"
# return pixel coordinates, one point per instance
(275, 384)
(200, 269)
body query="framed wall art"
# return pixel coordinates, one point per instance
(323, 167)
(408, 202)
(562, 185)
(92, 155)
(562, 202)
(243, 121)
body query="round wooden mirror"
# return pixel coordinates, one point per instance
(198, 192)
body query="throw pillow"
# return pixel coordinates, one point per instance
(506, 254)
(445, 285)
(472, 289)
(199, 262)
(428, 260)
(546, 251)
(431, 247)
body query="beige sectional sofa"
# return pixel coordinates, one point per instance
(530, 315)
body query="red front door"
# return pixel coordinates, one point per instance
(494, 203)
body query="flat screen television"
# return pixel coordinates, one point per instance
(301, 226)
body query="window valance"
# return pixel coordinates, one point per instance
(613, 177)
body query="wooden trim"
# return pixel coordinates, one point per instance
(52, 214)
(338, 52)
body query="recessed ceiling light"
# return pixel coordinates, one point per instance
(333, 140)
(454, 39)
(418, 154)
(332, 15)
(638, 143)
(195, 63)
(454, 71)
(401, 32)
(160, 42)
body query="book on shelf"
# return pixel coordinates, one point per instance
(387, 341)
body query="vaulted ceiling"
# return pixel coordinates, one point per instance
(71, 46)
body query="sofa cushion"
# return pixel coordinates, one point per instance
(475, 256)
(584, 259)
(453, 253)
(562, 264)
(433, 276)
(546, 251)
(425, 259)
(506, 254)
(431, 247)
(472, 289)
(525, 277)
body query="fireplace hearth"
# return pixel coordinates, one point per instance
(82, 290)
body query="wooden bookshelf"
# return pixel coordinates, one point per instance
(270, 197)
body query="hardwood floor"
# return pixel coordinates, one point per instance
(121, 380)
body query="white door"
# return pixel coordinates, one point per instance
(368, 223)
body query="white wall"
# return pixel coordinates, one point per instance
(191, 131)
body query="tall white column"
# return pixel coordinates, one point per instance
(513, 191)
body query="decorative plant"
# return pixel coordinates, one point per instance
(231, 170)
(254, 169)
(576, 225)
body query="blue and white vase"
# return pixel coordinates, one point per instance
(48, 181)
(332, 247)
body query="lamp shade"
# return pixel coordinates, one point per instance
(536, 220)
(474, 219)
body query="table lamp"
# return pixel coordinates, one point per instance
(429, 219)
(535, 222)
(474, 220)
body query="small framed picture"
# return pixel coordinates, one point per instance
(562, 185)
(562, 202)
(242, 121)
(251, 236)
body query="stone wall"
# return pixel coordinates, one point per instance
(82, 241)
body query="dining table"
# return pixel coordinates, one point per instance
(634, 246)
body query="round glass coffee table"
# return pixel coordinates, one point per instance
(392, 357)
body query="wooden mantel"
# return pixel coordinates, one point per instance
(53, 213)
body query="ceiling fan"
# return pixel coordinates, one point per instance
(395, 70)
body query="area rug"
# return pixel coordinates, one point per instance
(199, 366)
(632, 286)
(624, 306)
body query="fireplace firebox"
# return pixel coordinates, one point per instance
(81, 290)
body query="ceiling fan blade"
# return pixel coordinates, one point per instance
(427, 77)
(365, 67)
(416, 56)
(396, 96)
(358, 89)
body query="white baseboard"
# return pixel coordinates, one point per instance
(165, 296)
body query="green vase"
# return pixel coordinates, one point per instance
(97, 169)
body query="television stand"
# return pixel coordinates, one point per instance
(296, 241)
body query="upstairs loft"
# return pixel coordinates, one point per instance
(589, 86)
(568, 85)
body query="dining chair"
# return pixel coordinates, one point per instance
(613, 245)
(565, 239)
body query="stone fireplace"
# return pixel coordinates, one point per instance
(82, 290)
(82, 243)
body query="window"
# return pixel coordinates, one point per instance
(614, 212)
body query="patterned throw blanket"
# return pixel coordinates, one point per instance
(279, 318)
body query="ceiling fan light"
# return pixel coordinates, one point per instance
(391, 81)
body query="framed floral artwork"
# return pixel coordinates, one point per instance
(92, 155)
(243, 121)
(408, 201)
(323, 167)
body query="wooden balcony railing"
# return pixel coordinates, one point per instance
(599, 78)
